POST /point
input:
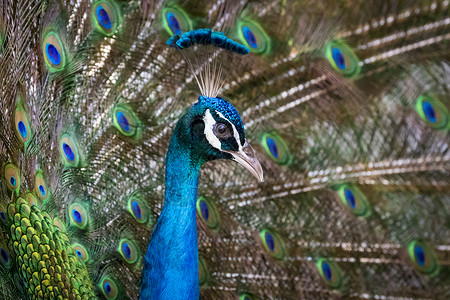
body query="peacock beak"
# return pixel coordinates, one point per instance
(246, 157)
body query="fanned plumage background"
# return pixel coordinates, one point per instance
(345, 102)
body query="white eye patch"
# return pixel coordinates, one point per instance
(213, 140)
(210, 136)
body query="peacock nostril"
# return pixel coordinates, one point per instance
(248, 150)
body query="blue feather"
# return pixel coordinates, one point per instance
(175, 236)
(206, 37)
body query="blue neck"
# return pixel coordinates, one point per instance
(181, 176)
(171, 262)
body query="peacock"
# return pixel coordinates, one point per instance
(110, 107)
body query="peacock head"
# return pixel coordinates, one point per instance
(213, 129)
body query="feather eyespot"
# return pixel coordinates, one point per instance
(54, 54)
(22, 126)
(106, 16)
(78, 215)
(249, 37)
(109, 288)
(276, 148)
(42, 190)
(5, 258)
(69, 151)
(40, 186)
(208, 213)
(4, 255)
(12, 177)
(103, 17)
(128, 251)
(419, 255)
(176, 20)
(138, 209)
(342, 59)
(173, 23)
(204, 210)
(329, 272)
(22, 129)
(202, 271)
(254, 37)
(423, 257)
(433, 112)
(81, 252)
(126, 121)
(338, 58)
(350, 198)
(354, 200)
(123, 121)
(273, 244)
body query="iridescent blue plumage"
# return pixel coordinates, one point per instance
(123, 121)
(76, 215)
(272, 147)
(53, 54)
(249, 37)
(103, 17)
(326, 270)
(420, 255)
(22, 129)
(68, 151)
(206, 37)
(350, 198)
(429, 111)
(173, 23)
(204, 209)
(42, 190)
(136, 209)
(338, 58)
(126, 250)
(270, 242)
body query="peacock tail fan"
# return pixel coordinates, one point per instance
(346, 105)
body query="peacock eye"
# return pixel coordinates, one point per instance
(330, 272)
(221, 130)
